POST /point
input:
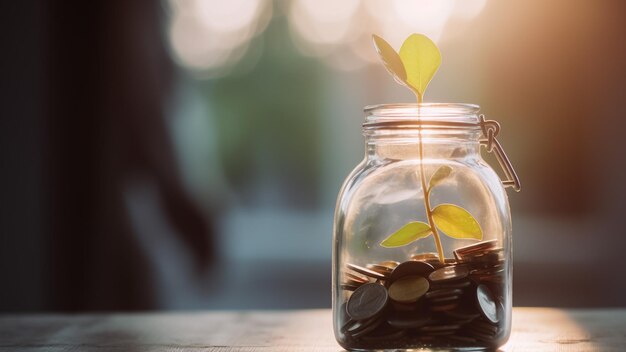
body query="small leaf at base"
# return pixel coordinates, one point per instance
(456, 222)
(407, 234)
(439, 175)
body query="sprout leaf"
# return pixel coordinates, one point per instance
(439, 176)
(421, 59)
(391, 59)
(456, 222)
(407, 234)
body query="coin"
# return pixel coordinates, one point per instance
(424, 301)
(386, 333)
(366, 272)
(443, 293)
(349, 287)
(353, 283)
(483, 327)
(463, 339)
(458, 321)
(380, 269)
(389, 263)
(482, 336)
(494, 279)
(355, 326)
(408, 289)
(410, 268)
(367, 301)
(461, 315)
(358, 278)
(439, 328)
(410, 320)
(444, 307)
(491, 271)
(486, 304)
(425, 257)
(375, 322)
(403, 307)
(449, 273)
(462, 284)
(444, 299)
(484, 259)
(477, 247)
(441, 333)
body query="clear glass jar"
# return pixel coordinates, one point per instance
(406, 296)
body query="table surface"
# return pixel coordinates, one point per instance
(534, 329)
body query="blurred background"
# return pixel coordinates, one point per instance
(187, 154)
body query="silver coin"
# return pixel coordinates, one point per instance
(368, 328)
(355, 326)
(367, 301)
(487, 304)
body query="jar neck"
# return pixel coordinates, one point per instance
(404, 145)
(395, 131)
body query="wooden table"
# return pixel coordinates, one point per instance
(534, 329)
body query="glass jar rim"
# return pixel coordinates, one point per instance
(423, 113)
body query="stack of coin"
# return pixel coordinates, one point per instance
(423, 302)
(486, 263)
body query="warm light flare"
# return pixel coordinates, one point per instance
(424, 16)
(468, 9)
(317, 30)
(227, 16)
(208, 36)
(328, 10)
(325, 28)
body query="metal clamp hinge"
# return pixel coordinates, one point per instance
(490, 130)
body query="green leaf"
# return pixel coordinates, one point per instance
(439, 175)
(456, 222)
(421, 59)
(391, 59)
(407, 234)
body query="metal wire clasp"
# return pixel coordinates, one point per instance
(490, 130)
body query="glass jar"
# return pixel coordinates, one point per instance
(422, 234)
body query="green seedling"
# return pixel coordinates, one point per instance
(414, 67)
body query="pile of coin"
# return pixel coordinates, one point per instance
(423, 302)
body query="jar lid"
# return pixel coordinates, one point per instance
(455, 114)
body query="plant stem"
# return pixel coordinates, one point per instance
(429, 213)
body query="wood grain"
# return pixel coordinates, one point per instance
(534, 329)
